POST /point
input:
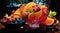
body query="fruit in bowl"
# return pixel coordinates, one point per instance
(36, 14)
(31, 13)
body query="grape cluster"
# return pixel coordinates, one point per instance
(7, 20)
(12, 21)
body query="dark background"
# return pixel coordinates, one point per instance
(55, 6)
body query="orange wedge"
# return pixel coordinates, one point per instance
(49, 21)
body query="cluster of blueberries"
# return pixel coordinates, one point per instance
(18, 21)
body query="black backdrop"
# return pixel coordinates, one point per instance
(2, 8)
(54, 5)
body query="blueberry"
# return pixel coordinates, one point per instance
(21, 22)
(21, 19)
(17, 19)
(12, 23)
(16, 22)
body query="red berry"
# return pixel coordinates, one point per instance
(13, 11)
(4, 20)
(36, 9)
(5, 17)
(9, 20)
(33, 6)
(36, 5)
(13, 20)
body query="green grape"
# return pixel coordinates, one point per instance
(31, 11)
(50, 14)
(6, 14)
(54, 13)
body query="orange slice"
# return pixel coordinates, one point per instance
(33, 16)
(38, 14)
(49, 21)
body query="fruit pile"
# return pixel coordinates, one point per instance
(32, 14)
(10, 20)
